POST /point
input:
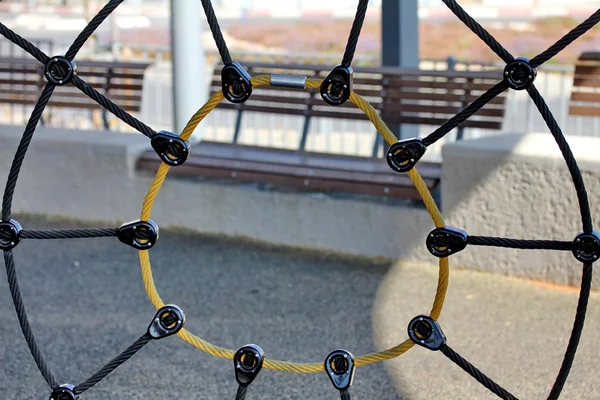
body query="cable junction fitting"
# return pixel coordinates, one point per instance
(64, 392)
(10, 234)
(59, 70)
(442, 242)
(141, 235)
(288, 81)
(336, 88)
(425, 331)
(586, 247)
(519, 74)
(405, 154)
(167, 322)
(340, 368)
(247, 363)
(171, 149)
(236, 84)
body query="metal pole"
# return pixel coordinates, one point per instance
(400, 44)
(190, 83)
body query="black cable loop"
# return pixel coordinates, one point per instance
(566, 40)
(467, 112)
(24, 44)
(69, 233)
(479, 31)
(112, 107)
(113, 364)
(13, 285)
(91, 27)
(476, 373)
(359, 19)
(582, 197)
(520, 243)
(15, 168)
(582, 303)
(213, 23)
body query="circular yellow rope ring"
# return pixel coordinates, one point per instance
(286, 365)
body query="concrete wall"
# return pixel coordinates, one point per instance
(518, 186)
(511, 185)
(91, 176)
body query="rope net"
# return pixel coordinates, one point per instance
(402, 156)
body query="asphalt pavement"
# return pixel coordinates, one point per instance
(86, 303)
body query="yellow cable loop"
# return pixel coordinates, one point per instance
(285, 365)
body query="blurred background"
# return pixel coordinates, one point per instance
(306, 32)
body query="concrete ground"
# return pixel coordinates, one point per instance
(86, 303)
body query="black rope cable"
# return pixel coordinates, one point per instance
(476, 373)
(13, 285)
(15, 168)
(68, 233)
(23, 43)
(582, 303)
(112, 107)
(471, 109)
(241, 392)
(467, 112)
(566, 40)
(582, 196)
(519, 243)
(479, 31)
(213, 23)
(345, 394)
(113, 364)
(91, 27)
(359, 19)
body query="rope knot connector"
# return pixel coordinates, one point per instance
(339, 365)
(442, 242)
(10, 234)
(59, 70)
(171, 149)
(519, 74)
(336, 88)
(141, 235)
(64, 392)
(235, 81)
(405, 154)
(586, 247)
(167, 322)
(248, 362)
(426, 332)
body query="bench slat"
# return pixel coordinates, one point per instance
(585, 111)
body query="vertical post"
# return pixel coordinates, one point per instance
(400, 44)
(188, 62)
(451, 62)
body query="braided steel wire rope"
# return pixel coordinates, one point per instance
(6, 236)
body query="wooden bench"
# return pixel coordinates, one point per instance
(22, 79)
(585, 95)
(401, 96)
(303, 171)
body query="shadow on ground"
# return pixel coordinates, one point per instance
(87, 303)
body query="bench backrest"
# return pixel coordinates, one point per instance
(21, 81)
(585, 96)
(400, 95)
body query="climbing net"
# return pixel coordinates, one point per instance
(402, 156)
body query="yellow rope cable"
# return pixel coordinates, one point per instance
(285, 365)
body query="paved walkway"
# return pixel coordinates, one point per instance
(86, 303)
